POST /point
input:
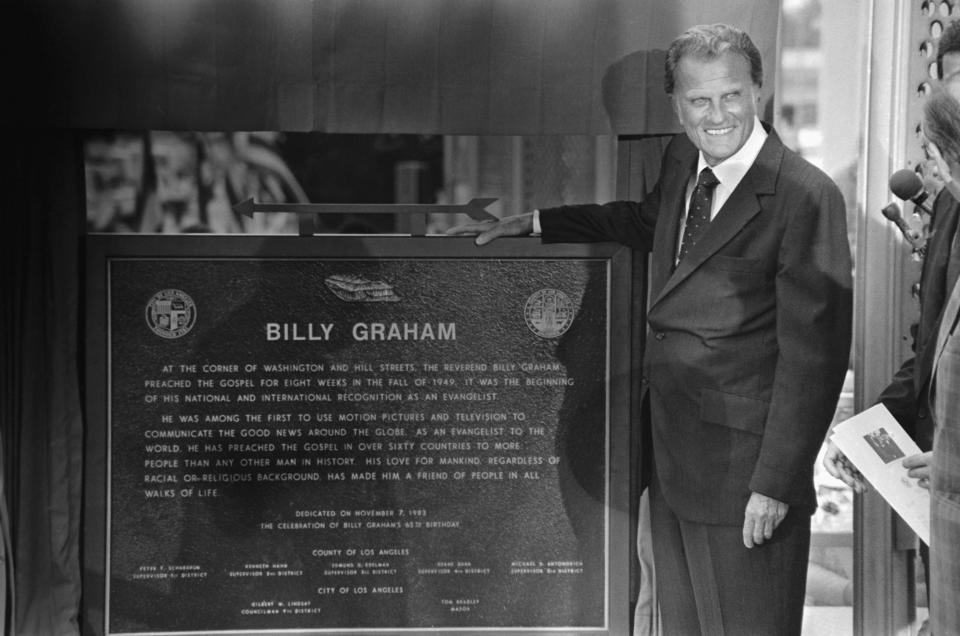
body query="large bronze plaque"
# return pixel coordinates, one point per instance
(345, 435)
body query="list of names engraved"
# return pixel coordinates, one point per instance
(298, 444)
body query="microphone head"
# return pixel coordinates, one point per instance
(892, 212)
(905, 184)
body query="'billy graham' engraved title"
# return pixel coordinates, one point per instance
(361, 331)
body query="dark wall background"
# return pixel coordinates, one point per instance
(365, 66)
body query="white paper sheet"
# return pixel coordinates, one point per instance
(876, 445)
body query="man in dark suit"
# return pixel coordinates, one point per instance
(750, 323)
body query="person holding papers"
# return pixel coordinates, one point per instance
(907, 396)
(938, 521)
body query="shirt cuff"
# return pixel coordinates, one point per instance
(536, 222)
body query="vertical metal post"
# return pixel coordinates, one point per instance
(883, 597)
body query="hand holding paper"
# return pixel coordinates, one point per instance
(840, 468)
(876, 445)
(919, 468)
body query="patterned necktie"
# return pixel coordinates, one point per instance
(698, 214)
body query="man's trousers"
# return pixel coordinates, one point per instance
(709, 583)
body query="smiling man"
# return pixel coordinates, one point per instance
(749, 338)
(716, 99)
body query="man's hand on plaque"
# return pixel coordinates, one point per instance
(486, 231)
(761, 517)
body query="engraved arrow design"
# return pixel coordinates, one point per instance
(475, 209)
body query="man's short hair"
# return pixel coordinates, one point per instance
(941, 123)
(949, 43)
(709, 41)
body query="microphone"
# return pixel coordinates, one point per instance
(892, 212)
(906, 185)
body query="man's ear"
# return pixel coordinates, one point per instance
(954, 165)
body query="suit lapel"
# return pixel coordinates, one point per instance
(736, 212)
(945, 229)
(673, 195)
(948, 323)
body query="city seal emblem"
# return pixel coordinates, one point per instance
(171, 313)
(548, 313)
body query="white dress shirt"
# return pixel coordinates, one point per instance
(729, 173)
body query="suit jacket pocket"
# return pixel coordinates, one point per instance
(736, 263)
(734, 411)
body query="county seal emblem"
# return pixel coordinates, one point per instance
(171, 313)
(548, 313)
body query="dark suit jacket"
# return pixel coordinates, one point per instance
(907, 395)
(750, 335)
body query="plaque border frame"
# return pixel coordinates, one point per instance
(623, 468)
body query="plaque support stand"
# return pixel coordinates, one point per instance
(475, 209)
